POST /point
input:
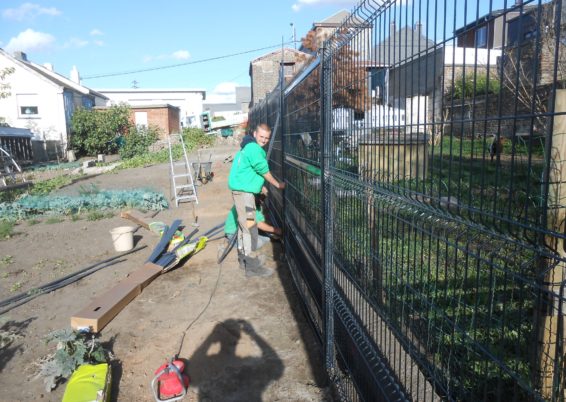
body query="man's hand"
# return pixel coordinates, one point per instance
(264, 190)
(281, 185)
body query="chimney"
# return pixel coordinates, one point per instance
(21, 55)
(75, 76)
(48, 66)
(392, 28)
(419, 29)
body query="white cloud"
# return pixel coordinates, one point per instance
(30, 40)
(178, 55)
(75, 43)
(301, 3)
(225, 92)
(98, 42)
(181, 55)
(96, 32)
(29, 11)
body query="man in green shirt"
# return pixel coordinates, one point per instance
(247, 176)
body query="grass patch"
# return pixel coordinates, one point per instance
(193, 138)
(97, 215)
(6, 229)
(54, 219)
(33, 222)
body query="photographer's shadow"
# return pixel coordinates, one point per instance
(222, 375)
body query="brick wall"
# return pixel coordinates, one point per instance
(165, 118)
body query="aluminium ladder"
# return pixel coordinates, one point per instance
(182, 182)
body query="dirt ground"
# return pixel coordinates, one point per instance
(251, 343)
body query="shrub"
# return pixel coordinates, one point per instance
(468, 87)
(137, 141)
(196, 137)
(96, 131)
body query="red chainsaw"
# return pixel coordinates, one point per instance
(169, 383)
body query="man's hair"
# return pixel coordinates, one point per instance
(263, 126)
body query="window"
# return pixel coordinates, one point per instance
(141, 119)
(481, 37)
(28, 105)
(28, 111)
(289, 69)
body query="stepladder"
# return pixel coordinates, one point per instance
(182, 182)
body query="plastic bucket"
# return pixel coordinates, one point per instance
(123, 238)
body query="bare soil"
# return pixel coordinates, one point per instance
(250, 340)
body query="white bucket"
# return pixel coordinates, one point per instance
(123, 238)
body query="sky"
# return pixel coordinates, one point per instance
(107, 37)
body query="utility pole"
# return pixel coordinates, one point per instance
(135, 84)
(294, 33)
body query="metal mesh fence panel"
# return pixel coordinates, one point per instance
(423, 150)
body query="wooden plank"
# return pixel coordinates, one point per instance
(105, 307)
(145, 274)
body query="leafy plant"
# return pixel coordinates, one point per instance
(97, 131)
(15, 287)
(7, 260)
(89, 190)
(471, 85)
(73, 349)
(138, 141)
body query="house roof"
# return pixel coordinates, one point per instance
(52, 76)
(287, 50)
(337, 19)
(402, 45)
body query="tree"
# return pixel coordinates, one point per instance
(349, 75)
(5, 87)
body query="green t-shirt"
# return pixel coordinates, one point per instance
(231, 224)
(248, 168)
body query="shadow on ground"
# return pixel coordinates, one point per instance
(222, 372)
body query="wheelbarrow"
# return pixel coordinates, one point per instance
(203, 170)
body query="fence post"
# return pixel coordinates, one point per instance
(326, 199)
(551, 332)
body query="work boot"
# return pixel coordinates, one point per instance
(244, 261)
(258, 270)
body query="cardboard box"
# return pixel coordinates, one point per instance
(101, 310)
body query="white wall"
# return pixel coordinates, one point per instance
(49, 123)
(188, 101)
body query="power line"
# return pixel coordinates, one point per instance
(182, 64)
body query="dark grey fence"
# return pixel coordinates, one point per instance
(424, 156)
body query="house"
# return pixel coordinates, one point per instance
(189, 101)
(240, 105)
(265, 70)
(43, 101)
